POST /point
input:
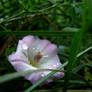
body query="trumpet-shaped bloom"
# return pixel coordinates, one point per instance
(33, 53)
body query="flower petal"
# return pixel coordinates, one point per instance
(39, 45)
(21, 46)
(28, 40)
(16, 56)
(25, 44)
(22, 49)
(51, 63)
(21, 66)
(34, 77)
(50, 50)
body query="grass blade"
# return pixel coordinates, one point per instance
(85, 51)
(76, 42)
(45, 78)
(11, 76)
(36, 33)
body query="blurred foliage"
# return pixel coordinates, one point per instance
(39, 14)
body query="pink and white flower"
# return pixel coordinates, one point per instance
(33, 53)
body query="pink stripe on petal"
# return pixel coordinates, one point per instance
(28, 40)
(17, 56)
(50, 50)
(43, 44)
(38, 45)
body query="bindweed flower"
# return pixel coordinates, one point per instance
(33, 53)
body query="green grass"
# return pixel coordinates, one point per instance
(76, 44)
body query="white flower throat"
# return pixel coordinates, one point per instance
(33, 56)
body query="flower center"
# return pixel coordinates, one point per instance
(36, 60)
